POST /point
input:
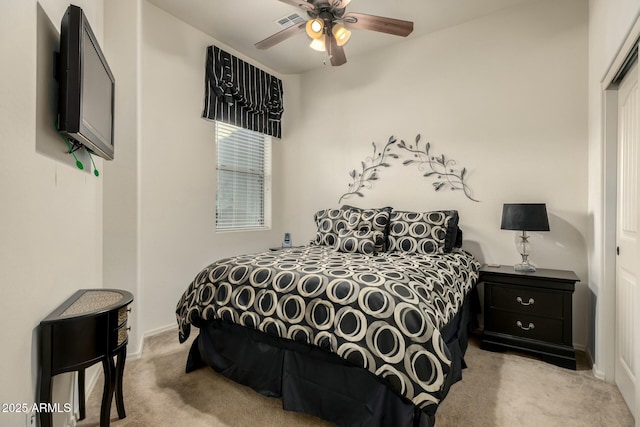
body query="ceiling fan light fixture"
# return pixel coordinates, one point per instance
(341, 34)
(318, 44)
(315, 28)
(329, 26)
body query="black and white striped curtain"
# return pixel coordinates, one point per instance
(241, 94)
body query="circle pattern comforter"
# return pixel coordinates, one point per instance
(381, 312)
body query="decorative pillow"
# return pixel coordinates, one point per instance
(424, 233)
(371, 220)
(458, 243)
(360, 241)
(329, 223)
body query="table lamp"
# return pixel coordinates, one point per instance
(524, 217)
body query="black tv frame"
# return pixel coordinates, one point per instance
(71, 81)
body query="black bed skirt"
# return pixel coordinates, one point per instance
(314, 381)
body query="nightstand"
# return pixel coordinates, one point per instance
(89, 327)
(529, 312)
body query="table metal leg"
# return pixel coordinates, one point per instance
(44, 373)
(122, 357)
(107, 393)
(44, 396)
(81, 397)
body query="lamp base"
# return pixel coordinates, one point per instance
(524, 267)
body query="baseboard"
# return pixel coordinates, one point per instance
(157, 331)
(90, 381)
(598, 373)
(161, 330)
(154, 332)
(92, 375)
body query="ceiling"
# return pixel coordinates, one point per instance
(241, 23)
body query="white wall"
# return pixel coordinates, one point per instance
(51, 213)
(609, 23)
(177, 166)
(504, 95)
(122, 175)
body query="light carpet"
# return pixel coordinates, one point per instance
(497, 389)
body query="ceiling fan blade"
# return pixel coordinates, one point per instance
(339, 4)
(336, 53)
(301, 4)
(362, 21)
(280, 36)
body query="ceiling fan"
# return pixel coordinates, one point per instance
(328, 26)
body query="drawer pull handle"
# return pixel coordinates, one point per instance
(525, 328)
(530, 302)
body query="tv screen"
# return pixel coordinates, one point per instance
(87, 87)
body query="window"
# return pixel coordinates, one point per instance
(244, 178)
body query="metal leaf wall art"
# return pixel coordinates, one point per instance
(369, 170)
(443, 169)
(439, 167)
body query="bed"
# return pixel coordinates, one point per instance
(367, 325)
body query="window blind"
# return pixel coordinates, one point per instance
(243, 170)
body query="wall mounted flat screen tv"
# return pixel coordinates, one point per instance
(86, 87)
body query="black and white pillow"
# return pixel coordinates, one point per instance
(359, 241)
(427, 233)
(329, 222)
(370, 220)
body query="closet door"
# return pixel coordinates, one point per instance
(628, 254)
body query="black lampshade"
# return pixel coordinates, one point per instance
(525, 216)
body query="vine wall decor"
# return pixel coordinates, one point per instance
(369, 172)
(439, 167)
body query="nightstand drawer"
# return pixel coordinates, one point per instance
(122, 330)
(525, 326)
(123, 334)
(123, 315)
(526, 300)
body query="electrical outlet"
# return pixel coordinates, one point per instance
(31, 419)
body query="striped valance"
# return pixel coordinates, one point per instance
(241, 94)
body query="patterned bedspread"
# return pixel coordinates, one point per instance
(383, 313)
